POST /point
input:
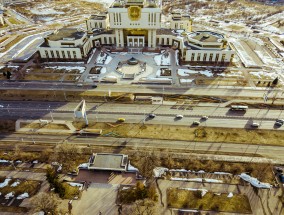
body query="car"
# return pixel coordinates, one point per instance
(79, 85)
(279, 124)
(1, 106)
(195, 123)
(121, 120)
(178, 116)
(255, 125)
(280, 121)
(152, 115)
(94, 86)
(204, 117)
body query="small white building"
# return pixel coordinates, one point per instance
(66, 43)
(180, 22)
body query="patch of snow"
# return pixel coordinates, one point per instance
(132, 168)
(159, 171)
(108, 59)
(201, 171)
(150, 53)
(187, 72)
(208, 180)
(230, 195)
(15, 184)
(182, 81)
(254, 181)
(203, 191)
(262, 74)
(103, 70)
(179, 170)
(5, 183)
(9, 195)
(4, 161)
(125, 188)
(83, 165)
(163, 60)
(45, 11)
(222, 173)
(73, 184)
(23, 196)
(35, 162)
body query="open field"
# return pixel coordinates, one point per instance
(45, 126)
(178, 198)
(204, 134)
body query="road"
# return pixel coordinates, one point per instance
(137, 113)
(145, 89)
(243, 150)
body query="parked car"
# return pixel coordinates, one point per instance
(79, 85)
(280, 121)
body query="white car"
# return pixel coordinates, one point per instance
(255, 125)
(178, 116)
(1, 106)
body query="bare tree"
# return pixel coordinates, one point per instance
(46, 202)
(142, 207)
(148, 162)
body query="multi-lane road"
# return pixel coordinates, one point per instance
(137, 113)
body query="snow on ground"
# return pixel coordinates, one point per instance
(231, 74)
(73, 184)
(186, 81)
(9, 195)
(45, 11)
(4, 161)
(5, 183)
(23, 196)
(262, 74)
(254, 181)
(222, 173)
(203, 191)
(230, 195)
(159, 171)
(208, 180)
(15, 184)
(103, 70)
(68, 68)
(132, 168)
(163, 60)
(187, 72)
(83, 165)
(108, 59)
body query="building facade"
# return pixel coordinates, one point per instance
(136, 25)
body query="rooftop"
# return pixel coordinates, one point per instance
(114, 162)
(206, 36)
(66, 33)
(165, 31)
(99, 16)
(140, 3)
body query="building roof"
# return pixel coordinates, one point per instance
(101, 16)
(103, 161)
(165, 31)
(66, 33)
(206, 36)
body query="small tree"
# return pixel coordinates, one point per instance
(46, 202)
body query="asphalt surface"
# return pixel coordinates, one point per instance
(138, 113)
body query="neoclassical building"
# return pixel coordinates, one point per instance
(135, 26)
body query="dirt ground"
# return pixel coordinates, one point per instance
(171, 132)
(48, 126)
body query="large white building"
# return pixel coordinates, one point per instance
(135, 26)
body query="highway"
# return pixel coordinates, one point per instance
(137, 113)
(268, 151)
(220, 91)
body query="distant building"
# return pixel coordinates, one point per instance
(135, 26)
(66, 43)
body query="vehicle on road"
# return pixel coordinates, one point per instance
(1, 106)
(121, 120)
(204, 117)
(279, 124)
(152, 115)
(178, 116)
(79, 85)
(280, 121)
(239, 107)
(94, 86)
(195, 123)
(255, 125)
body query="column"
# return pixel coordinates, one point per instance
(149, 38)
(121, 38)
(117, 37)
(154, 39)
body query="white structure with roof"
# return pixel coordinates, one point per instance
(135, 26)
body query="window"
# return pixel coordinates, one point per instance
(211, 57)
(198, 56)
(69, 54)
(46, 53)
(192, 56)
(74, 54)
(217, 57)
(223, 57)
(57, 54)
(63, 54)
(204, 57)
(52, 54)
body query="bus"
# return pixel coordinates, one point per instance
(239, 107)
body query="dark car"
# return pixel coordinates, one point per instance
(94, 86)
(152, 115)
